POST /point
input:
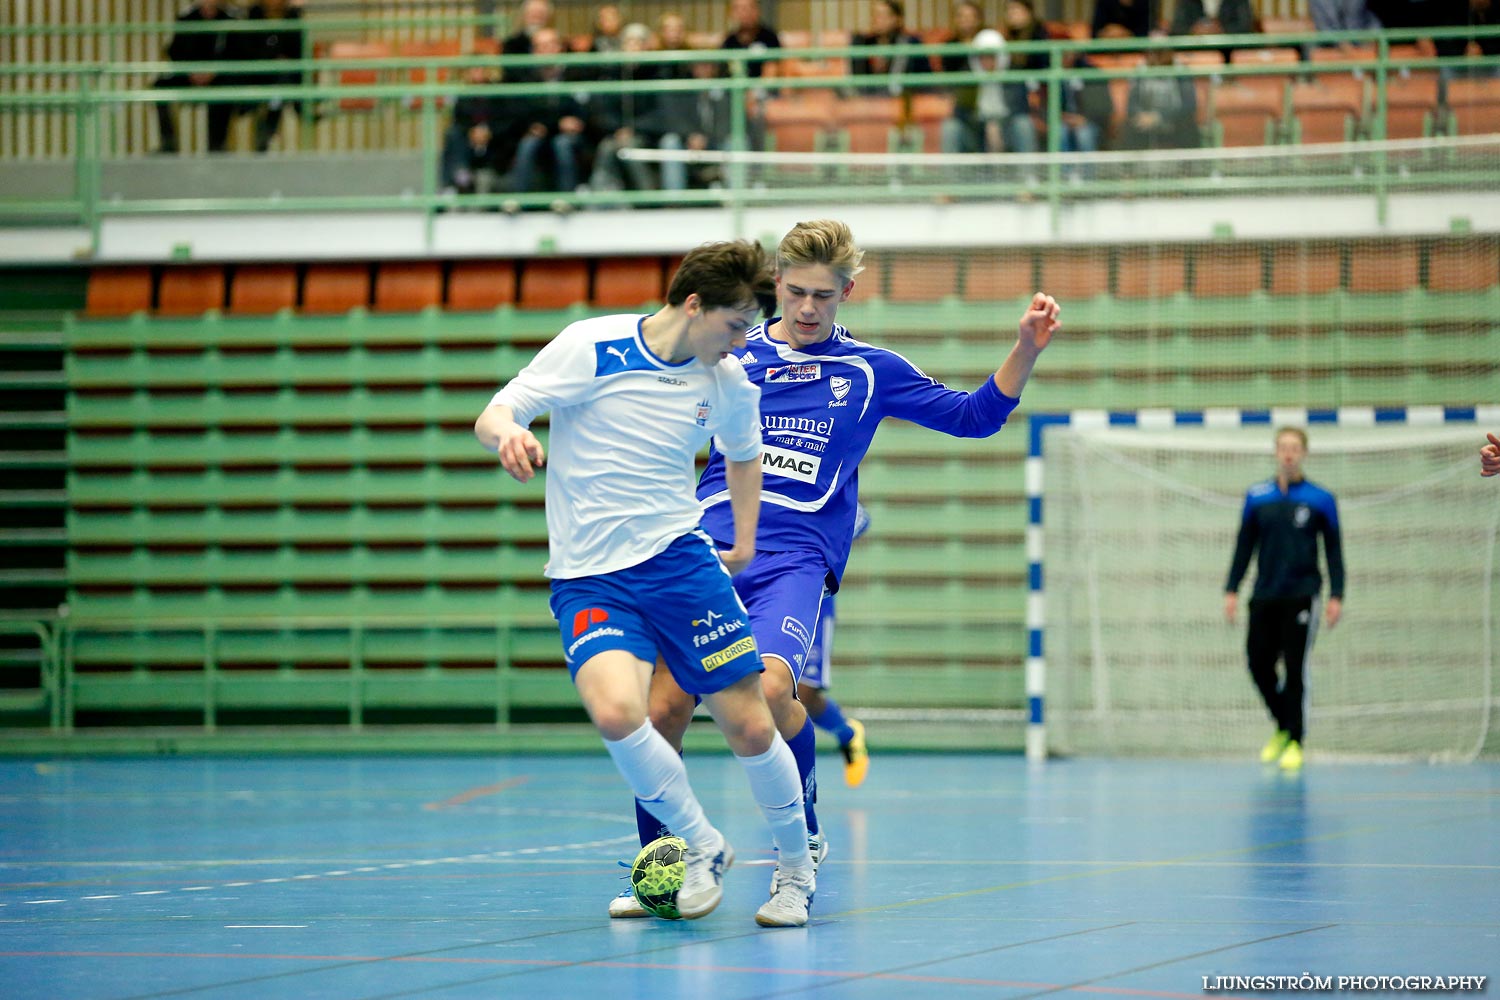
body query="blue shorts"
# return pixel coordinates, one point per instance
(818, 672)
(678, 603)
(784, 591)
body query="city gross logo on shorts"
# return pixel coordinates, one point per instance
(735, 650)
(715, 631)
(795, 373)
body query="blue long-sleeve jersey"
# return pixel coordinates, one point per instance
(819, 409)
(1284, 527)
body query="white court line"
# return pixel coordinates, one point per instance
(419, 862)
(248, 927)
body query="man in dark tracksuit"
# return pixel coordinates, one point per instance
(1283, 518)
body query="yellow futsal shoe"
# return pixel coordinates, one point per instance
(1291, 757)
(1274, 746)
(856, 756)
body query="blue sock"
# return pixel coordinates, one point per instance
(832, 719)
(649, 827)
(804, 748)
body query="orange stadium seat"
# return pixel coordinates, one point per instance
(923, 278)
(262, 289)
(1247, 115)
(1305, 269)
(480, 285)
(999, 277)
(1411, 103)
(1329, 109)
(870, 282)
(358, 77)
(190, 291)
(867, 122)
(1474, 106)
(335, 288)
(1287, 25)
(925, 122)
(118, 291)
(1069, 274)
(408, 286)
(1383, 267)
(1227, 271)
(554, 284)
(440, 47)
(1154, 273)
(627, 282)
(799, 120)
(1461, 267)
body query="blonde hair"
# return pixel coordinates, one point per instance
(822, 241)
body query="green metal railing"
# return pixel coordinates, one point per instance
(88, 94)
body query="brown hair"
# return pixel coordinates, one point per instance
(1297, 431)
(729, 274)
(822, 241)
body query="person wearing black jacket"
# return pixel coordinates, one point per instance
(556, 130)
(281, 38)
(889, 21)
(198, 46)
(1283, 518)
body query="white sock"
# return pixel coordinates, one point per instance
(778, 792)
(656, 775)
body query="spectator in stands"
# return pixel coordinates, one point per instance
(1213, 17)
(1342, 15)
(281, 39)
(991, 116)
(888, 19)
(1087, 108)
(672, 36)
(749, 33)
(1397, 15)
(198, 46)
(556, 134)
(481, 143)
(534, 16)
(1489, 457)
(632, 121)
(968, 21)
(1122, 18)
(1162, 112)
(1019, 24)
(608, 30)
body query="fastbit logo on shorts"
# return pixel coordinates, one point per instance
(715, 632)
(731, 652)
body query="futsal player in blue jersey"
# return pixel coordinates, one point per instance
(817, 678)
(1282, 518)
(823, 393)
(633, 399)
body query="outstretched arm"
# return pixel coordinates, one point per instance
(1036, 330)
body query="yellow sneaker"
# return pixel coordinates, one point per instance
(1291, 757)
(856, 756)
(1274, 746)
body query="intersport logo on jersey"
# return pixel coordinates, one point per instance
(795, 373)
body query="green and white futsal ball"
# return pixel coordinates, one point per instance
(657, 874)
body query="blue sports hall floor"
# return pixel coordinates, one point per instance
(950, 876)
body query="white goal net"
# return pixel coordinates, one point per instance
(1138, 531)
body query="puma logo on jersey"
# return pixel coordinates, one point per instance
(618, 353)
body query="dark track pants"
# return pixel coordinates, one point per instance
(1282, 630)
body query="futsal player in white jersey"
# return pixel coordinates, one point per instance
(633, 399)
(823, 393)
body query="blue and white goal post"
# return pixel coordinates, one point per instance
(1457, 426)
